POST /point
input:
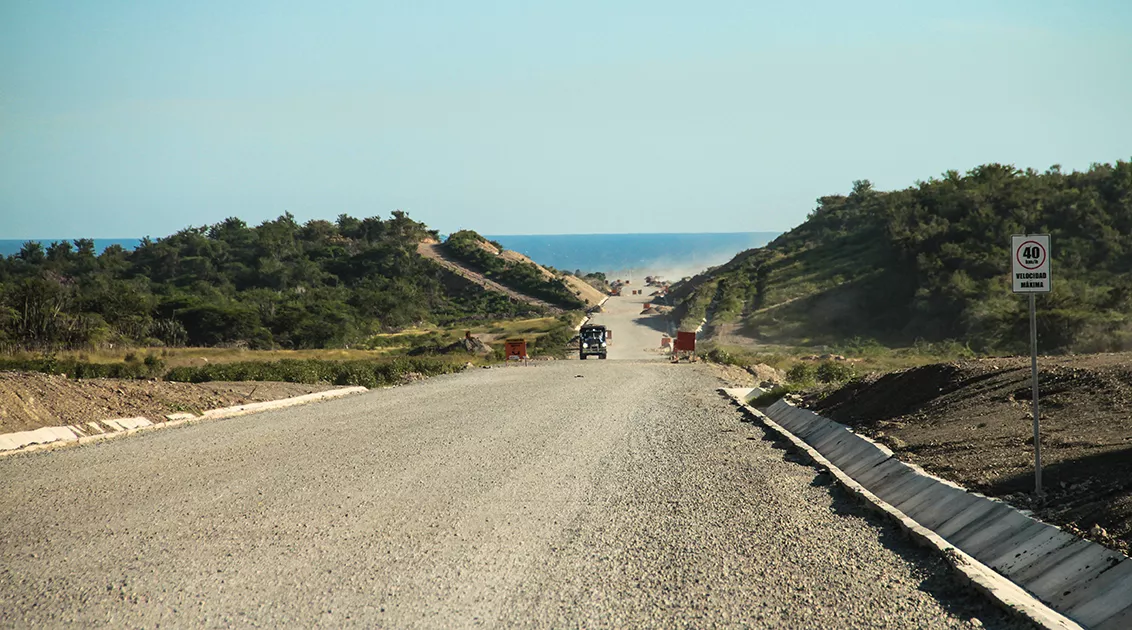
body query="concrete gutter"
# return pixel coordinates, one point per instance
(1034, 569)
(55, 437)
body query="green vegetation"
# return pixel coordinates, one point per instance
(475, 251)
(366, 372)
(595, 279)
(929, 265)
(278, 285)
(553, 342)
(150, 367)
(372, 373)
(694, 308)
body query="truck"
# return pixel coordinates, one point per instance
(593, 341)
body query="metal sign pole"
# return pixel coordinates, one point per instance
(1034, 375)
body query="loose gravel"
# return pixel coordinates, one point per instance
(567, 494)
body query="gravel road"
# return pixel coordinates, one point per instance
(596, 494)
(636, 337)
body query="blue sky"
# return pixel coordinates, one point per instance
(125, 118)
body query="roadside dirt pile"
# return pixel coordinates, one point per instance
(31, 400)
(970, 422)
(471, 345)
(765, 375)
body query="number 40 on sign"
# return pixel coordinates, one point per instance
(1030, 258)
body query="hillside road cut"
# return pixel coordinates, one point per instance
(616, 493)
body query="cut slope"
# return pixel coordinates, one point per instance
(435, 253)
(510, 269)
(581, 289)
(584, 290)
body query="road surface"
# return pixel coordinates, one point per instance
(635, 337)
(615, 494)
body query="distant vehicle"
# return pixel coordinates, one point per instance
(594, 341)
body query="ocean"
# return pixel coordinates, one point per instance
(670, 255)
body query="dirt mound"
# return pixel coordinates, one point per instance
(970, 422)
(470, 345)
(766, 376)
(30, 400)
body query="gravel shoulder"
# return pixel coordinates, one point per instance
(30, 400)
(596, 494)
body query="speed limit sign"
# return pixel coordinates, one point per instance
(1029, 255)
(1030, 263)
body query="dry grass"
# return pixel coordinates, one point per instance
(182, 357)
(863, 360)
(192, 357)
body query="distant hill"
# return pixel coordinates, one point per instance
(280, 284)
(512, 269)
(931, 262)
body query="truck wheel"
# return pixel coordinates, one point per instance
(603, 357)
(582, 357)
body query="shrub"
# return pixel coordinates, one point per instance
(802, 373)
(83, 369)
(365, 372)
(834, 372)
(719, 355)
(553, 343)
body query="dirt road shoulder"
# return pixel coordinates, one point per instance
(30, 401)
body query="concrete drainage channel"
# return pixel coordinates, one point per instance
(1035, 569)
(54, 437)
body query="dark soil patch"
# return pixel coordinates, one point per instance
(970, 422)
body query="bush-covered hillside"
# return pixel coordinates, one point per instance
(476, 251)
(280, 284)
(931, 262)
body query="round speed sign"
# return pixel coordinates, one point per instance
(1031, 254)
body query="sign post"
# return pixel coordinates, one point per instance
(1029, 255)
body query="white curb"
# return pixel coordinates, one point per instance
(54, 437)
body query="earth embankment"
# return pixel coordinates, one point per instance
(30, 400)
(970, 422)
(435, 253)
